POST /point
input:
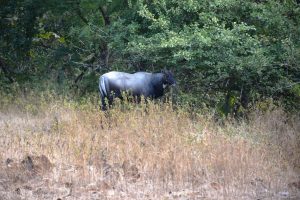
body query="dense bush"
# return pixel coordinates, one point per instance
(225, 54)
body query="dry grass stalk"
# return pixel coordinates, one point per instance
(154, 151)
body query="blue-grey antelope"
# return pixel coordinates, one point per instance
(149, 85)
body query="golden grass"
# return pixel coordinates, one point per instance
(154, 150)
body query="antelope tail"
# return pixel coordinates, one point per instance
(102, 86)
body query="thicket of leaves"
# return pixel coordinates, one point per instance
(229, 54)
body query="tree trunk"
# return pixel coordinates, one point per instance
(103, 10)
(5, 70)
(104, 51)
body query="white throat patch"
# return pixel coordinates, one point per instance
(165, 85)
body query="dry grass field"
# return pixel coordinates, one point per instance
(55, 148)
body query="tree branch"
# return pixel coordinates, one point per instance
(103, 10)
(79, 13)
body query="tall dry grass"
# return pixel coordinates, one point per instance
(153, 150)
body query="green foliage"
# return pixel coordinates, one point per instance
(220, 48)
(225, 54)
